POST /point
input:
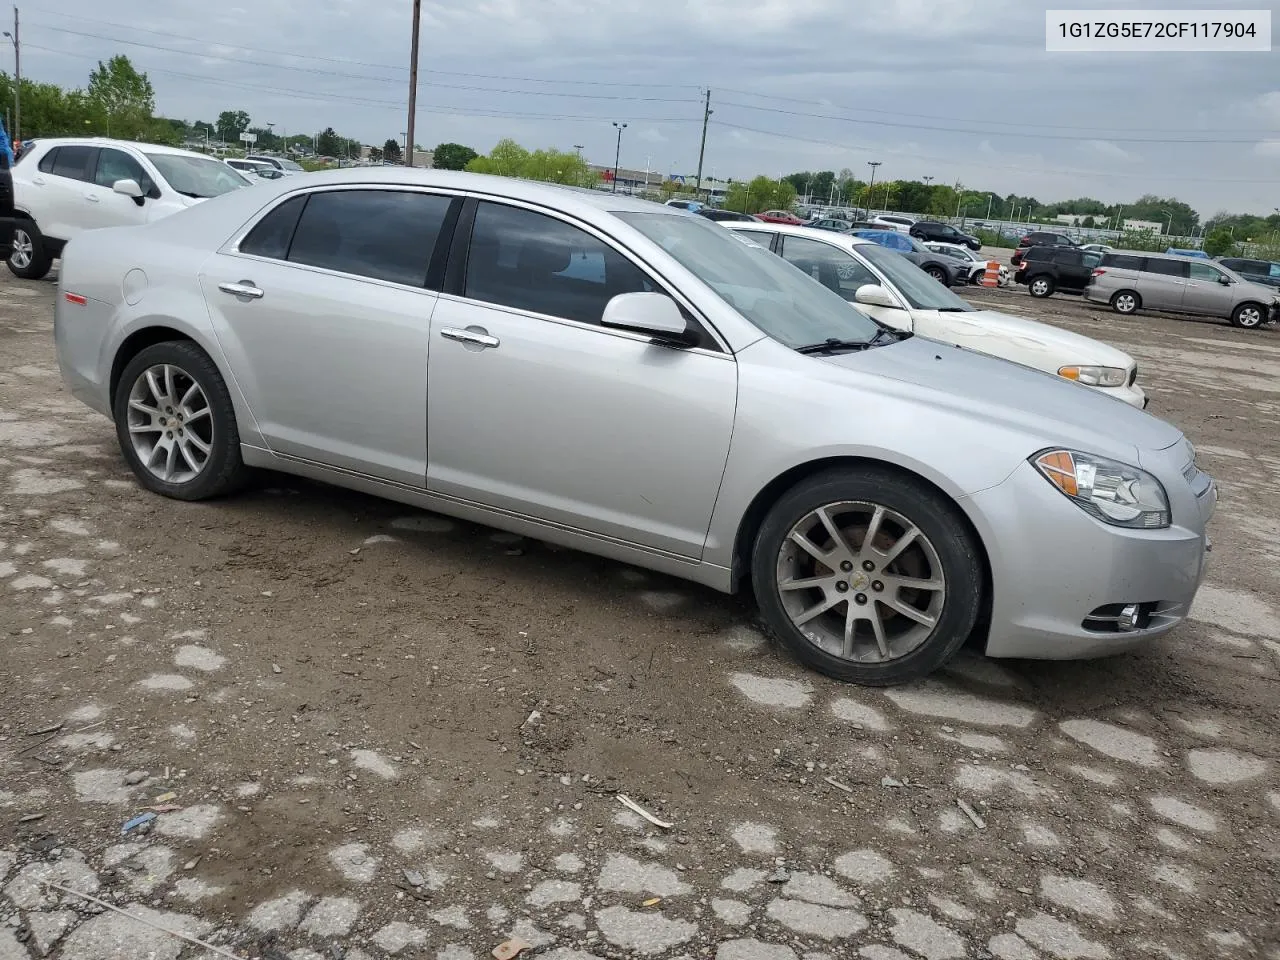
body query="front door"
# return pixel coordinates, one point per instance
(841, 272)
(324, 317)
(1208, 291)
(106, 208)
(534, 408)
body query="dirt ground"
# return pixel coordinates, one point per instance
(373, 732)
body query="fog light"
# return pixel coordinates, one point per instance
(1128, 618)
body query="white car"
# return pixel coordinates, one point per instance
(892, 221)
(287, 167)
(255, 170)
(885, 285)
(63, 186)
(977, 262)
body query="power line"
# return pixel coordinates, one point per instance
(397, 105)
(999, 133)
(995, 166)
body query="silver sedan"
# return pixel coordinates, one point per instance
(636, 382)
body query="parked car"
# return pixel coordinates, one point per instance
(778, 216)
(1178, 252)
(286, 166)
(974, 262)
(946, 270)
(1255, 271)
(733, 422)
(1039, 238)
(6, 203)
(1096, 248)
(1132, 280)
(883, 285)
(893, 221)
(938, 232)
(253, 169)
(831, 223)
(713, 213)
(64, 186)
(684, 204)
(1046, 270)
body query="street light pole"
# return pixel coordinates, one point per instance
(617, 157)
(413, 83)
(872, 186)
(17, 77)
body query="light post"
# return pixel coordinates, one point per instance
(926, 180)
(1168, 230)
(617, 156)
(872, 186)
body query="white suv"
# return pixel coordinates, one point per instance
(63, 186)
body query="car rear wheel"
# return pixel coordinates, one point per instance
(28, 259)
(1040, 286)
(1125, 302)
(176, 425)
(1248, 316)
(867, 576)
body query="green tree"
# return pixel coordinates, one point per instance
(122, 96)
(452, 156)
(375, 154)
(391, 151)
(231, 123)
(1218, 242)
(329, 144)
(913, 196)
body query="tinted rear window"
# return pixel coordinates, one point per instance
(1122, 261)
(1166, 268)
(274, 232)
(74, 162)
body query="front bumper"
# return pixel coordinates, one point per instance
(1132, 394)
(1053, 566)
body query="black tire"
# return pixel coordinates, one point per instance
(936, 518)
(224, 471)
(1249, 316)
(938, 273)
(39, 262)
(1125, 302)
(1041, 286)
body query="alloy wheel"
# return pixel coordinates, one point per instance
(1249, 317)
(860, 581)
(1040, 287)
(23, 249)
(1126, 303)
(170, 423)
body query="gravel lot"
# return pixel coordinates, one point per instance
(389, 733)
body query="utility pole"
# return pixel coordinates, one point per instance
(702, 150)
(872, 186)
(413, 83)
(578, 147)
(617, 157)
(15, 133)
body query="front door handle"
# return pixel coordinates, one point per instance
(476, 335)
(92, 197)
(244, 288)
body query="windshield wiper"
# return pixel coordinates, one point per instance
(955, 309)
(833, 344)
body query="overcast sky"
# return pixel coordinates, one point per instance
(795, 84)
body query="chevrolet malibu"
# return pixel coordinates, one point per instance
(636, 382)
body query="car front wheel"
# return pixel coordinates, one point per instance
(176, 425)
(867, 576)
(938, 274)
(1248, 316)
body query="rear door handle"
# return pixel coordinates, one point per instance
(476, 335)
(244, 288)
(92, 197)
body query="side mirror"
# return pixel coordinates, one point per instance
(128, 188)
(874, 295)
(653, 314)
(1225, 281)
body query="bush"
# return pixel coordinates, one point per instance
(1218, 243)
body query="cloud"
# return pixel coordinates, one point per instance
(653, 135)
(1270, 149)
(1108, 150)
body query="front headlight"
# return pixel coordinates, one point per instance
(1095, 376)
(1115, 493)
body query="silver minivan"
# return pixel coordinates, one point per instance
(1130, 279)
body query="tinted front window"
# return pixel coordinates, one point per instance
(1122, 261)
(834, 268)
(772, 295)
(116, 165)
(1166, 268)
(193, 176)
(74, 162)
(383, 234)
(274, 232)
(1202, 271)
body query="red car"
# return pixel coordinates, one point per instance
(779, 216)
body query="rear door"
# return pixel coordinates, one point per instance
(63, 180)
(1162, 283)
(1072, 272)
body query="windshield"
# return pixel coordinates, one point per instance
(197, 176)
(289, 165)
(776, 297)
(917, 287)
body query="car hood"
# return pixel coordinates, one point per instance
(1265, 291)
(1072, 348)
(1053, 410)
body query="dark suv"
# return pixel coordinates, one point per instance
(1259, 271)
(1047, 269)
(936, 232)
(1040, 238)
(6, 204)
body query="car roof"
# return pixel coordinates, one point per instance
(111, 142)
(796, 230)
